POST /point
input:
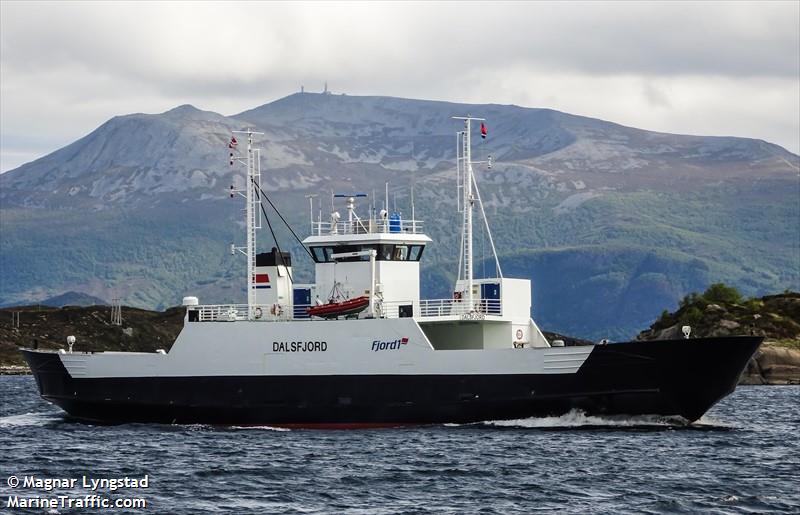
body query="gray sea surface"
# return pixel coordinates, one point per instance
(742, 457)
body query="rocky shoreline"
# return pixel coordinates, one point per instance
(773, 365)
(14, 370)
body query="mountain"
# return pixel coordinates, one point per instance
(73, 298)
(613, 224)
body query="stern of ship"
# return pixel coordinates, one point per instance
(52, 378)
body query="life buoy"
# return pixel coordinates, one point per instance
(258, 313)
(457, 296)
(520, 334)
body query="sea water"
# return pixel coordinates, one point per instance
(741, 457)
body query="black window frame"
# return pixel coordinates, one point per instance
(384, 252)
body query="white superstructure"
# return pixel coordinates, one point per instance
(378, 255)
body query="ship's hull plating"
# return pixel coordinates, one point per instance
(670, 378)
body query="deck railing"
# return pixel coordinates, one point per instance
(447, 307)
(234, 312)
(275, 313)
(367, 227)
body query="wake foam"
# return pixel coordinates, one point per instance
(30, 419)
(578, 419)
(261, 428)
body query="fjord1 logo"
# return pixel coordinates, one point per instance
(378, 345)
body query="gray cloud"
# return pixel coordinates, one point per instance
(714, 68)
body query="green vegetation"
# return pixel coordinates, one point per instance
(721, 310)
(717, 292)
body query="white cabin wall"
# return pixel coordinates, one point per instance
(280, 286)
(515, 296)
(354, 277)
(400, 279)
(516, 299)
(284, 283)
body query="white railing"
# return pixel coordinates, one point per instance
(234, 312)
(299, 311)
(219, 312)
(480, 309)
(447, 308)
(367, 227)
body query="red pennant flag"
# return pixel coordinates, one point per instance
(484, 130)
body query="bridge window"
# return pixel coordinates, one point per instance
(385, 252)
(415, 252)
(400, 253)
(319, 254)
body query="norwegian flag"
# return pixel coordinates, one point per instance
(233, 143)
(484, 130)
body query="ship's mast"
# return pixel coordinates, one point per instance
(464, 161)
(252, 215)
(466, 198)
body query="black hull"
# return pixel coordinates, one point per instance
(670, 378)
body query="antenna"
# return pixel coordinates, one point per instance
(386, 205)
(319, 220)
(413, 216)
(311, 209)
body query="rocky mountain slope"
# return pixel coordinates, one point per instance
(611, 223)
(47, 328)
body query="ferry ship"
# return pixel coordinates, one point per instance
(360, 348)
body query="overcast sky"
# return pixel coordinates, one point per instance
(710, 68)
